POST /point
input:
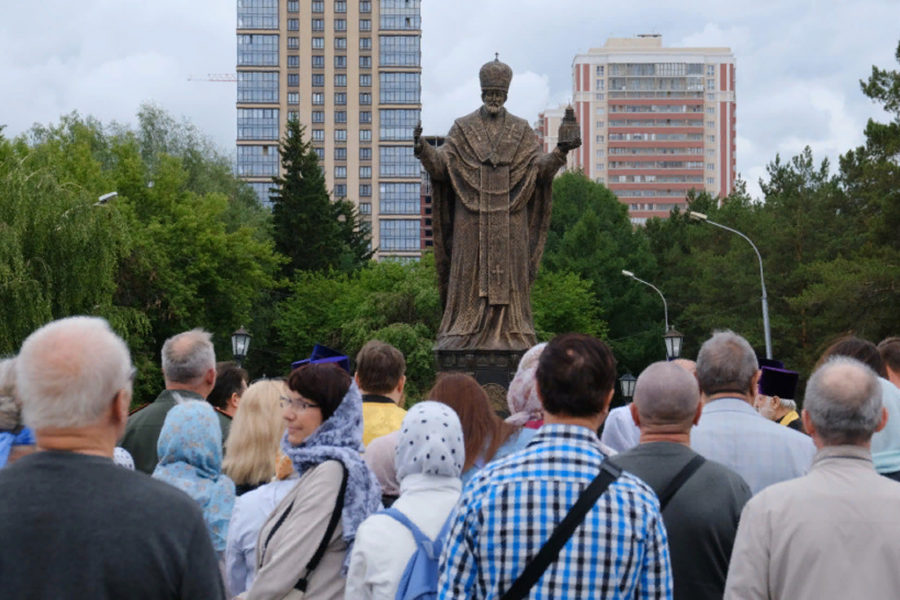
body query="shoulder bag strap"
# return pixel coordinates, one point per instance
(549, 552)
(329, 531)
(399, 516)
(680, 478)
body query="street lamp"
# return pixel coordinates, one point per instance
(105, 198)
(762, 280)
(626, 384)
(671, 338)
(240, 344)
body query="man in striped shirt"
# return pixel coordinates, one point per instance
(511, 507)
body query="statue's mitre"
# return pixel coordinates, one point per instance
(495, 75)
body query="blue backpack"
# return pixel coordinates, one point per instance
(420, 577)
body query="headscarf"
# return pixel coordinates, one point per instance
(431, 442)
(190, 458)
(379, 455)
(340, 438)
(522, 397)
(123, 458)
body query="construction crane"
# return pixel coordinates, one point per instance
(215, 77)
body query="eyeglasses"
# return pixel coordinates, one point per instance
(297, 404)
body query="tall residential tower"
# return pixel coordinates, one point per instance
(350, 71)
(656, 122)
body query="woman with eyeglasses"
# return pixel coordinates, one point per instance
(304, 545)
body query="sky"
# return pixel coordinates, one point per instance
(799, 62)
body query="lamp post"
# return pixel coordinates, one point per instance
(240, 344)
(626, 384)
(671, 338)
(762, 280)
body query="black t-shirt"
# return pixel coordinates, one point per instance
(79, 526)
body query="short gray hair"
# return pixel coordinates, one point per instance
(666, 394)
(10, 410)
(68, 372)
(187, 356)
(843, 399)
(726, 363)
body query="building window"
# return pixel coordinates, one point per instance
(400, 88)
(320, 152)
(318, 24)
(365, 7)
(340, 6)
(365, 135)
(397, 124)
(340, 135)
(400, 50)
(710, 84)
(318, 43)
(257, 86)
(340, 80)
(400, 14)
(365, 116)
(318, 98)
(318, 61)
(318, 116)
(257, 50)
(318, 80)
(293, 43)
(397, 161)
(257, 123)
(710, 123)
(365, 80)
(365, 153)
(340, 190)
(340, 98)
(599, 70)
(293, 6)
(365, 98)
(293, 98)
(365, 191)
(340, 116)
(710, 96)
(340, 24)
(365, 172)
(293, 79)
(710, 70)
(710, 180)
(340, 61)
(365, 62)
(340, 153)
(598, 96)
(340, 43)
(710, 110)
(293, 115)
(257, 14)
(257, 161)
(399, 234)
(710, 166)
(293, 61)
(365, 43)
(293, 24)
(340, 172)
(365, 24)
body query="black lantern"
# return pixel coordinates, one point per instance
(673, 341)
(626, 384)
(240, 344)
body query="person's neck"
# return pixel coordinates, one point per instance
(94, 440)
(592, 422)
(491, 116)
(395, 396)
(676, 437)
(745, 397)
(200, 390)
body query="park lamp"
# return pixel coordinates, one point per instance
(240, 344)
(105, 198)
(673, 340)
(626, 384)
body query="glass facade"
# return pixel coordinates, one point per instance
(260, 50)
(399, 50)
(261, 188)
(399, 198)
(257, 86)
(397, 161)
(398, 124)
(257, 14)
(400, 88)
(400, 14)
(257, 123)
(257, 161)
(400, 234)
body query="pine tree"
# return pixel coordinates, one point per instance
(315, 233)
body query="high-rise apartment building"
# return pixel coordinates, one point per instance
(655, 122)
(350, 71)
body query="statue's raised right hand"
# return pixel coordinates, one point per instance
(417, 139)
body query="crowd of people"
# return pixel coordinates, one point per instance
(712, 483)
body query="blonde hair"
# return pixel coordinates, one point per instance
(252, 445)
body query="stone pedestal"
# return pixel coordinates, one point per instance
(493, 369)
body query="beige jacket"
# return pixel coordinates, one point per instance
(834, 533)
(281, 562)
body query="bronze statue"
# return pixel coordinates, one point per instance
(491, 212)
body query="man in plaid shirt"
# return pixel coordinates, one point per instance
(511, 507)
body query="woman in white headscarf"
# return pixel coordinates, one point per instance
(429, 460)
(525, 408)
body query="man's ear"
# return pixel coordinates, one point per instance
(698, 413)
(808, 426)
(634, 414)
(884, 419)
(210, 378)
(608, 400)
(401, 384)
(233, 401)
(119, 406)
(356, 379)
(754, 384)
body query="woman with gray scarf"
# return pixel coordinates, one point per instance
(323, 417)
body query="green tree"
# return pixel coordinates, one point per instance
(313, 232)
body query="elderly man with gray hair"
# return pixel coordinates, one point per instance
(700, 500)
(730, 430)
(836, 531)
(73, 523)
(189, 370)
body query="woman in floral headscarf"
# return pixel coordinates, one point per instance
(525, 408)
(429, 460)
(190, 458)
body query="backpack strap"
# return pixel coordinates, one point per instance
(329, 532)
(679, 480)
(549, 552)
(422, 540)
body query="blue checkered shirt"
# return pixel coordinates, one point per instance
(510, 508)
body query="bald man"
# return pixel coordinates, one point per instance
(701, 500)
